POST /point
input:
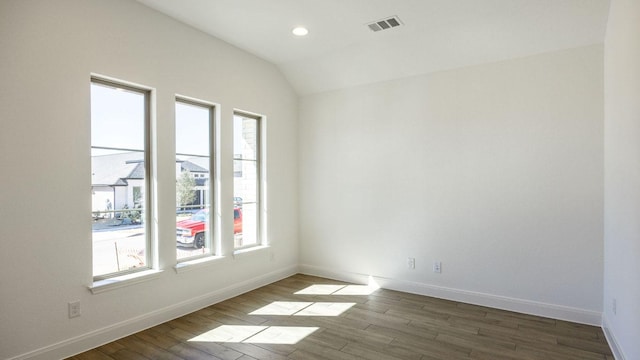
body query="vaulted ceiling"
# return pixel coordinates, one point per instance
(341, 51)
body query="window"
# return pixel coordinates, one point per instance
(119, 178)
(194, 125)
(246, 184)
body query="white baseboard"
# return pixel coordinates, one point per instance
(105, 335)
(611, 339)
(494, 301)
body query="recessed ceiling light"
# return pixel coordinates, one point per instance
(300, 31)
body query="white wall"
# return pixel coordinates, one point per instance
(494, 170)
(622, 178)
(48, 49)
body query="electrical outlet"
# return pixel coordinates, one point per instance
(437, 267)
(614, 306)
(74, 309)
(411, 263)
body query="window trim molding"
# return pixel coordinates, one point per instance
(124, 280)
(197, 263)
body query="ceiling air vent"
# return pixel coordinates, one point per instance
(385, 24)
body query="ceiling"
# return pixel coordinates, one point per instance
(341, 51)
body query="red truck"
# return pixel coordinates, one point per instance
(192, 231)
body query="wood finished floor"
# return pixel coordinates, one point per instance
(339, 324)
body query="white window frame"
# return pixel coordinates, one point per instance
(213, 224)
(148, 197)
(261, 239)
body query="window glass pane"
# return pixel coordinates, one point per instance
(245, 225)
(192, 129)
(193, 185)
(118, 179)
(117, 117)
(245, 182)
(245, 138)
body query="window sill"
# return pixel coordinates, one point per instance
(196, 264)
(118, 282)
(250, 250)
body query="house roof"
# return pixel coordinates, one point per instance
(116, 169)
(192, 167)
(137, 172)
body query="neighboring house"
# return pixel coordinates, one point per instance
(201, 175)
(117, 181)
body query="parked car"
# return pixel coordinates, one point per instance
(237, 221)
(191, 232)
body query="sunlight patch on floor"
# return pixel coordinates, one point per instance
(281, 335)
(229, 333)
(320, 289)
(281, 308)
(288, 308)
(325, 309)
(256, 334)
(356, 290)
(327, 289)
